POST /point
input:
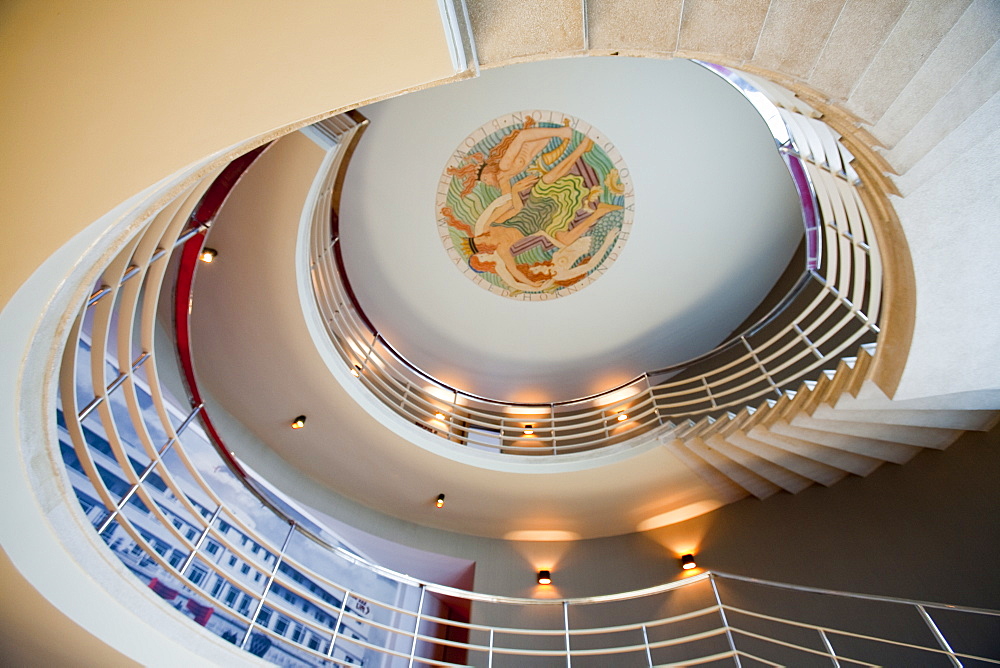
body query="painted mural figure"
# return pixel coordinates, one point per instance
(548, 188)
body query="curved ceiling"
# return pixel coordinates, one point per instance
(257, 360)
(716, 221)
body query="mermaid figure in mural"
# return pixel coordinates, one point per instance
(543, 205)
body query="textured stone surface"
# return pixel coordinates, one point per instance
(950, 226)
(977, 87)
(641, 24)
(912, 40)
(794, 34)
(520, 29)
(966, 137)
(732, 28)
(858, 34)
(971, 37)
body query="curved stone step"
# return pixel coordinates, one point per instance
(739, 474)
(897, 453)
(826, 418)
(839, 459)
(727, 490)
(768, 470)
(961, 420)
(803, 466)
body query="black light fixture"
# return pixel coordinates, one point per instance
(207, 255)
(299, 422)
(529, 429)
(439, 502)
(544, 578)
(687, 562)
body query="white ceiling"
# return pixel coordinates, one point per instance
(716, 222)
(255, 355)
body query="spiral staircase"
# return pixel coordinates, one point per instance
(910, 87)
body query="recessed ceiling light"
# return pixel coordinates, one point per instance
(207, 255)
(299, 422)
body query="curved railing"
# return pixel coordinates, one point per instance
(223, 549)
(831, 311)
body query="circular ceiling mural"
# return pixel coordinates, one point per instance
(534, 205)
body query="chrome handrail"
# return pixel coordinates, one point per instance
(797, 341)
(147, 476)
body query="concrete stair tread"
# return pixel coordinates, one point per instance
(803, 466)
(728, 490)
(840, 459)
(826, 418)
(897, 453)
(740, 475)
(768, 470)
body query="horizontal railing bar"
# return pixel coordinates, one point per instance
(851, 634)
(809, 650)
(868, 597)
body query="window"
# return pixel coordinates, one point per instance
(197, 575)
(245, 604)
(264, 616)
(313, 642)
(212, 547)
(176, 558)
(224, 526)
(298, 633)
(219, 584)
(256, 576)
(231, 596)
(245, 568)
(232, 561)
(281, 625)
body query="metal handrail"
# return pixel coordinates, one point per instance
(842, 255)
(173, 506)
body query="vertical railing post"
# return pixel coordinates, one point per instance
(340, 617)
(489, 663)
(725, 622)
(645, 641)
(652, 398)
(149, 469)
(942, 641)
(829, 648)
(416, 627)
(267, 585)
(569, 660)
(201, 540)
(552, 427)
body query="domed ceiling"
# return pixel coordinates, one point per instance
(715, 223)
(711, 221)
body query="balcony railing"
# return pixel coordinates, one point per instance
(187, 518)
(831, 311)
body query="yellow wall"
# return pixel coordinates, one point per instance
(102, 99)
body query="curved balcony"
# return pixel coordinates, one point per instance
(225, 550)
(832, 310)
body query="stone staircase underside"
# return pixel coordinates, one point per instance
(819, 433)
(919, 79)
